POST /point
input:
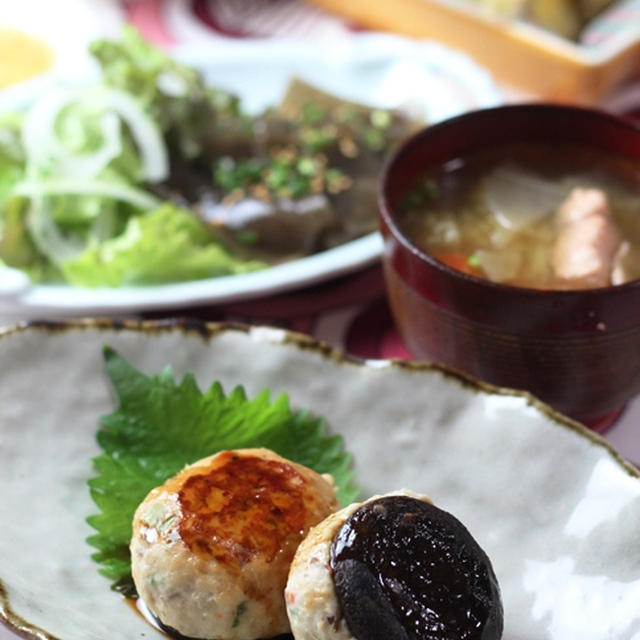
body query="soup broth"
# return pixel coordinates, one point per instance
(536, 215)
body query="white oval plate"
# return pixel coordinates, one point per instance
(554, 506)
(377, 69)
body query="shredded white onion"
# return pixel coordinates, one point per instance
(45, 150)
(145, 132)
(71, 186)
(47, 236)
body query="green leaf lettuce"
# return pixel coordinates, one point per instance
(167, 244)
(11, 155)
(175, 95)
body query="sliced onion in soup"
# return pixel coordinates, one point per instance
(626, 264)
(517, 197)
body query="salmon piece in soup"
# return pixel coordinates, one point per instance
(587, 242)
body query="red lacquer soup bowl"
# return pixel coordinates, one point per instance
(577, 350)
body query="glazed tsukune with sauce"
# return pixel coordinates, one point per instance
(536, 215)
(211, 548)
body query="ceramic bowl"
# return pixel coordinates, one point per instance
(552, 504)
(579, 351)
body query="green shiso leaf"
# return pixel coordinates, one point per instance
(161, 425)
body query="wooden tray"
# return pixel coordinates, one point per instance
(520, 55)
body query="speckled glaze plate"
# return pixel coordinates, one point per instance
(555, 508)
(377, 69)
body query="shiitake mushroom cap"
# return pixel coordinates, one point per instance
(404, 569)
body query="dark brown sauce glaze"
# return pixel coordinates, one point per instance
(245, 506)
(406, 570)
(172, 633)
(176, 634)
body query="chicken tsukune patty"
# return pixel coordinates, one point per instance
(211, 548)
(394, 566)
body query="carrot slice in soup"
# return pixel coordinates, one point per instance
(458, 261)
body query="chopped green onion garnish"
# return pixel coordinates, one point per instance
(474, 261)
(380, 119)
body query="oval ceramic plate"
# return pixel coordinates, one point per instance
(377, 69)
(555, 508)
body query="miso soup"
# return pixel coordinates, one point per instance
(537, 215)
